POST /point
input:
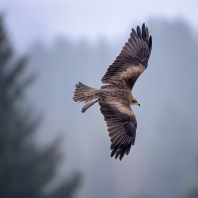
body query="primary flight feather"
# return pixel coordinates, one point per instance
(116, 96)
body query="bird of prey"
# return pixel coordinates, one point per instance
(115, 97)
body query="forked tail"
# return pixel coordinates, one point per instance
(84, 93)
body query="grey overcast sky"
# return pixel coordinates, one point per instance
(30, 20)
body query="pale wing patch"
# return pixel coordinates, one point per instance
(124, 109)
(132, 72)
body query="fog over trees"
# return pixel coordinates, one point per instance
(163, 161)
(26, 169)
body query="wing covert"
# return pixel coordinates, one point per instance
(121, 123)
(132, 60)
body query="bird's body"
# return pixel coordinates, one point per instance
(116, 96)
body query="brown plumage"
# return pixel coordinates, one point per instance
(116, 97)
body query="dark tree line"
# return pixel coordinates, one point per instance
(25, 168)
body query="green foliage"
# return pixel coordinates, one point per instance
(25, 168)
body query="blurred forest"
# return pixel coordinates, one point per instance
(163, 162)
(25, 168)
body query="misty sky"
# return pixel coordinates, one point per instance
(44, 20)
(156, 164)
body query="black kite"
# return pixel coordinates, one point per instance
(116, 96)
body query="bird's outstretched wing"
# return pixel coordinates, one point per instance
(132, 60)
(121, 123)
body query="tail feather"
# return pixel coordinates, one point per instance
(84, 93)
(89, 104)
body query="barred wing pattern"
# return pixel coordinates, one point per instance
(121, 123)
(132, 60)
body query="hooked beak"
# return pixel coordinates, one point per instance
(138, 104)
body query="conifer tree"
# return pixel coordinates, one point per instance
(25, 168)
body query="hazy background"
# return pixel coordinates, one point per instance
(72, 41)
